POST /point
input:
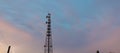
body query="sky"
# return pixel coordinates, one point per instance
(78, 26)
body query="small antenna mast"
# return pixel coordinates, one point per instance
(9, 49)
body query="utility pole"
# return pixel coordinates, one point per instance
(9, 49)
(48, 48)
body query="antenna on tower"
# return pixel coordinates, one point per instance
(48, 48)
(9, 49)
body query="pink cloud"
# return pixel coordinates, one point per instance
(10, 35)
(110, 43)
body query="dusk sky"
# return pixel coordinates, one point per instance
(78, 26)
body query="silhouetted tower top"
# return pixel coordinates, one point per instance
(48, 48)
(97, 51)
(9, 49)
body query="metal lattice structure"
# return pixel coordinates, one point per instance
(48, 48)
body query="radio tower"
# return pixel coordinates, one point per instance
(48, 48)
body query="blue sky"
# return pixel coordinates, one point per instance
(78, 26)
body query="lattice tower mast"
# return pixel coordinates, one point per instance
(48, 48)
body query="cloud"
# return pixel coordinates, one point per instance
(105, 44)
(17, 38)
(83, 29)
(104, 33)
